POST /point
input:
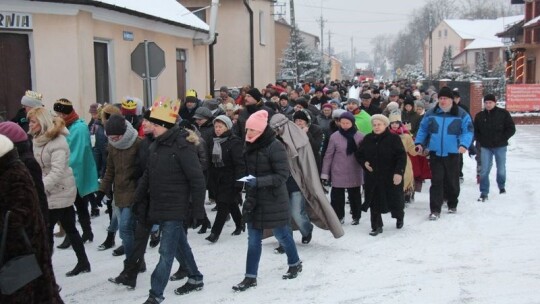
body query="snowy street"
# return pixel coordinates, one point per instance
(485, 253)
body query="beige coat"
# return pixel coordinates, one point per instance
(408, 178)
(53, 157)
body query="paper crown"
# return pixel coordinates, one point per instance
(191, 93)
(34, 95)
(129, 103)
(165, 110)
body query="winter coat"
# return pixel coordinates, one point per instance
(223, 180)
(413, 118)
(443, 133)
(206, 131)
(287, 111)
(316, 137)
(81, 158)
(187, 114)
(173, 179)
(122, 173)
(338, 167)
(386, 155)
(372, 109)
(58, 180)
(266, 159)
(408, 176)
(493, 128)
(17, 194)
(99, 148)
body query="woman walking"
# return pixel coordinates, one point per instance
(51, 150)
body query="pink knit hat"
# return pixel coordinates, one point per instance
(13, 131)
(257, 121)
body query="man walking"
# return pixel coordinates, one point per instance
(447, 130)
(492, 128)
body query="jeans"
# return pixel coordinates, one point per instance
(173, 243)
(444, 181)
(486, 156)
(282, 234)
(298, 213)
(127, 229)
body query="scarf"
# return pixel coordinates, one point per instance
(217, 154)
(71, 118)
(349, 135)
(127, 140)
(293, 137)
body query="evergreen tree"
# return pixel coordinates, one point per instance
(447, 65)
(299, 61)
(481, 68)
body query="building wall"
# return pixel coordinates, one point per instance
(62, 50)
(447, 37)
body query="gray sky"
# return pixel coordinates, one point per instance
(361, 19)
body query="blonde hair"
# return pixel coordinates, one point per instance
(51, 126)
(336, 95)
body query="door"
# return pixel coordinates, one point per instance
(101, 62)
(15, 77)
(181, 73)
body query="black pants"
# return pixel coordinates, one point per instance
(337, 196)
(82, 212)
(66, 217)
(223, 209)
(376, 214)
(444, 181)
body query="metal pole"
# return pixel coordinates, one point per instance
(147, 76)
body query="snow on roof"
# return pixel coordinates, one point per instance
(532, 21)
(166, 9)
(482, 32)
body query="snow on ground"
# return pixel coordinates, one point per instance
(486, 253)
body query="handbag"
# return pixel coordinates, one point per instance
(20, 270)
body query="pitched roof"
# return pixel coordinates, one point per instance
(482, 32)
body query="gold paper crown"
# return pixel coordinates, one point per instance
(191, 93)
(33, 94)
(165, 109)
(129, 103)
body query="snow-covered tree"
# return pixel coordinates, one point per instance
(447, 64)
(301, 62)
(481, 65)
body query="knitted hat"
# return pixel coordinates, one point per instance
(257, 121)
(446, 92)
(336, 101)
(349, 116)
(420, 104)
(32, 99)
(211, 104)
(392, 106)
(129, 106)
(109, 110)
(116, 125)
(353, 100)
(365, 96)
(395, 116)
(5, 145)
(93, 108)
(408, 101)
(13, 131)
(303, 115)
(255, 93)
(226, 120)
(394, 93)
(490, 97)
(326, 105)
(202, 113)
(382, 118)
(278, 120)
(164, 112)
(63, 106)
(337, 113)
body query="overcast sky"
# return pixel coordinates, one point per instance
(360, 19)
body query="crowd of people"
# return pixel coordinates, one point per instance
(266, 158)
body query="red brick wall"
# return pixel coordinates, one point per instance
(477, 94)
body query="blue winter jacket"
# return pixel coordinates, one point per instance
(442, 133)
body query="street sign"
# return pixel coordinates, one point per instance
(156, 60)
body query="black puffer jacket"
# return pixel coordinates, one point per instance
(223, 180)
(266, 159)
(493, 128)
(173, 178)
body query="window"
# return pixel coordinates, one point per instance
(445, 33)
(262, 28)
(101, 63)
(199, 12)
(439, 33)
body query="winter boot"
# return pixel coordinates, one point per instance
(245, 284)
(188, 287)
(293, 272)
(81, 267)
(375, 232)
(179, 275)
(142, 266)
(306, 239)
(155, 237)
(483, 198)
(239, 230)
(212, 238)
(65, 244)
(205, 226)
(109, 242)
(128, 276)
(118, 251)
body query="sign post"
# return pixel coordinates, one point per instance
(148, 61)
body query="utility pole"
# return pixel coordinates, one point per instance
(430, 50)
(329, 43)
(294, 37)
(321, 22)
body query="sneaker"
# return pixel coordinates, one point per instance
(502, 191)
(375, 232)
(279, 250)
(434, 216)
(151, 300)
(306, 239)
(483, 198)
(452, 210)
(188, 287)
(245, 284)
(355, 222)
(292, 272)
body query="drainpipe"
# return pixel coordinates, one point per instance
(212, 24)
(212, 70)
(251, 44)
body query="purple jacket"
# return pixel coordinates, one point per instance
(341, 169)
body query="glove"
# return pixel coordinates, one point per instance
(325, 182)
(472, 151)
(252, 182)
(98, 198)
(247, 209)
